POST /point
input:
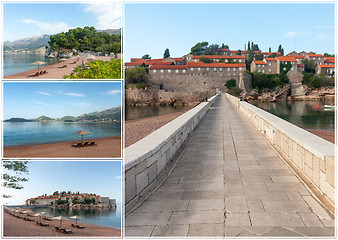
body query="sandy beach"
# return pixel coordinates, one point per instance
(140, 128)
(15, 227)
(54, 71)
(108, 147)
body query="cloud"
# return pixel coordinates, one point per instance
(44, 93)
(113, 92)
(43, 104)
(295, 34)
(117, 177)
(107, 14)
(49, 28)
(74, 94)
(83, 105)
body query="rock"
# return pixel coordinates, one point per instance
(40, 50)
(50, 53)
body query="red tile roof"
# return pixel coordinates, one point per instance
(138, 63)
(300, 65)
(168, 67)
(216, 65)
(259, 62)
(217, 56)
(137, 59)
(224, 50)
(315, 55)
(330, 58)
(329, 61)
(269, 53)
(178, 59)
(327, 66)
(291, 52)
(270, 59)
(287, 59)
(298, 56)
(162, 63)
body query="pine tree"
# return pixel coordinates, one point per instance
(166, 53)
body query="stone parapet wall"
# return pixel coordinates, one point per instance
(148, 158)
(311, 155)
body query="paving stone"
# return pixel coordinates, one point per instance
(275, 219)
(171, 230)
(162, 206)
(234, 189)
(206, 230)
(202, 194)
(208, 204)
(236, 204)
(315, 231)
(281, 232)
(258, 231)
(316, 207)
(255, 206)
(310, 219)
(144, 219)
(285, 206)
(191, 217)
(233, 231)
(237, 219)
(141, 231)
(285, 179)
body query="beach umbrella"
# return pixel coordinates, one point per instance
(40, 214)
(58, 218)
(75, 217)
(63, 59)
(81, 133)
(38, 63)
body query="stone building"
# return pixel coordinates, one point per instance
(220, 58)
(317, 58)
(327, 70)
(267, 66)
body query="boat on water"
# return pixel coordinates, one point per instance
(329, 107)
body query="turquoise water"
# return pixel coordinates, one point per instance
(107, 217)
(304, 114)
(30, 133)
(17, 63)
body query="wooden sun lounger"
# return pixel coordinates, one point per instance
(92, 144)
(76, 226)
(34, 75)
(41, 223)
(63, 66)
(66, 231)
(86, 144)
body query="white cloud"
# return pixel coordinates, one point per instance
(113, 92)
(323, 27)
(295, 34)
(108, 14)
(117, 177)
(49, 28)
(44, 93)
(74, 94)
(320, 36)
(43, 104)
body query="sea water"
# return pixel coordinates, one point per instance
(31, 133)
(22, 62)
(304, 114)
(106, 217)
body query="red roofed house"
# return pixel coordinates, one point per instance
(327, 70)
(285, 60)
(329, 61)
(267, 66)
(267, 54)
(220, 58)
(317, 58)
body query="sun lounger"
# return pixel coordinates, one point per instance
(78, 226)
(46, 218)
(66, 231)
(34, 75)
(44, 72)
(92, 144)
(86, 144)
(77, 145)
(56, 229)
(63, 66)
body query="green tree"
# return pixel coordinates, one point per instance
(199, 48)
(281, 50)
(55, 193)
(206, 60)
(13, 178)
(309, 65)
(224, 46)
(166, 53)
(269, 49)
(136, 75)
(249, 45)
(328, 55)
(239, 52)
(146, 56)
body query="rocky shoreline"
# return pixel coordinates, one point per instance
(284, 94)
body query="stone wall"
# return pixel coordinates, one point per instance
(148, 158)
(193, 79)
(134, 96)
(312, 156)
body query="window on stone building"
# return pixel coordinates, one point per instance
(234, 69)
(154, 70)
(192, 69)
(221, 69)
(161, 70)
(215, 69)
(228, 69)
(183, 71)
(176, 70)
(207, 69)
(269, 64)
(199, 69)
(263, 71)
(169, 70)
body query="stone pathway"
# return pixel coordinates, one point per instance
(229, 182)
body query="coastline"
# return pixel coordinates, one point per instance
(15, 227)
(54, 71)
(107, 147)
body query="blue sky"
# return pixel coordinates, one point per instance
(151, 28)
(55, 99)
(33, 19)
(45, 177)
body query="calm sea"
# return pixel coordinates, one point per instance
(30, 133)
(137, 112)
(107, 217)
(304, 114)
(17, 63)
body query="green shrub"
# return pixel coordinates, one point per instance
(268, 81)
(97, 69)
(313, 81)
(136, 75)
(230, 83)
(235, 91)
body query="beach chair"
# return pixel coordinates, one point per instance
(44, 72)
(44, 224)
(78, 226)
(34, 75)
(77, 145)
(86, 144)
(46, 218)
(92, 144)
(57, 229)
(65, 231)
(63, 66)
(41, 73)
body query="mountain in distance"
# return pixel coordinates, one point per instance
(36, 42)
(109, 114)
